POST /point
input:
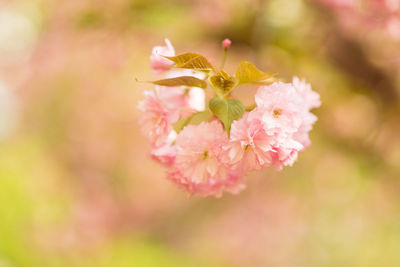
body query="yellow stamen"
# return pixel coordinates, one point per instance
(277, 112)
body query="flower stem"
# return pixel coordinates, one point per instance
(223, 58)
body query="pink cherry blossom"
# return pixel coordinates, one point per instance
(194, 96)
(180, 97)
(157, 118)
(310, 98)
(166, 153)
(249, 146)
(284, 109)
(232, 183)
(205, 159)
(196, 99)
(198, 166)
(301, 135)
(183, 100)
(200, 151)
(285, 151)
(283, 147)
(157, 60)
(361, 16)
(281, 107)
(172, 97)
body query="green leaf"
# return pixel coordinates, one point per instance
(223, 83)
(192, 61)
(248, 73)
(180, 124)
(195, 119)
(227, 110)
(182, 81)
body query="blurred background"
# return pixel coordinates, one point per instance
(77, 185)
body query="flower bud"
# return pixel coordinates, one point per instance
(226, 43)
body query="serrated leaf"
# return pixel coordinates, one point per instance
(224, 74)
(192, 61)
(223, 83)
(195, 119)
(227, 110)
(248, 73)
(182, 81)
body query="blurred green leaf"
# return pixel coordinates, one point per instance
(90, 18)
(227, 110)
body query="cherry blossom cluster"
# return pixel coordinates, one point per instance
(353, 15)
(205, 137)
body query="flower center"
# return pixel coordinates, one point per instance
(277, 112)
(205, 155)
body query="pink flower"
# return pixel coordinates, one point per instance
(281, 107)
(157, 118)
(199, 168)
(183, 100)
(180, 97)
(310, 98)
(249, 146)
(203, 159)
(166, 153)
(157, 60)
(200, 150)
(284, 109)
(194, 97)
(285, 151)
(232, 183)
(172, 97)
(301, 135)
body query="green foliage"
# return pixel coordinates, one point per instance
(182, 81)
(195, 119)
(223, 83)
(192, 61)
(222, 106)
(248, 73)
(227, 110)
